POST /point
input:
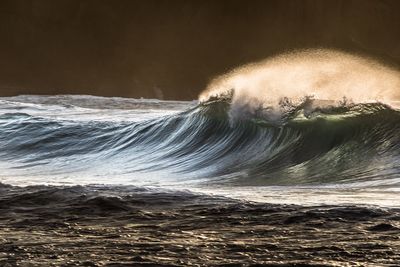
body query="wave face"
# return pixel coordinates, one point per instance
(50, 140)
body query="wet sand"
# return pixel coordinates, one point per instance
(131, 226)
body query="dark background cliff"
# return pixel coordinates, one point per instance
(171, 49)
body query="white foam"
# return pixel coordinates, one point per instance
(318, 73)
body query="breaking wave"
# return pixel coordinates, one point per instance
(311, 117)
(309, 145)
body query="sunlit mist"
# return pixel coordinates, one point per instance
(319, 73)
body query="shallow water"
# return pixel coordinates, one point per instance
(136, 226)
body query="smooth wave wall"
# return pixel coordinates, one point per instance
(351, 143)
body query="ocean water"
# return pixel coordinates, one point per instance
(291, 161)
(312, 154)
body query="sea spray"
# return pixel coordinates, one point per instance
(276, 84)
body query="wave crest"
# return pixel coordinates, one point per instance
(278, 84)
